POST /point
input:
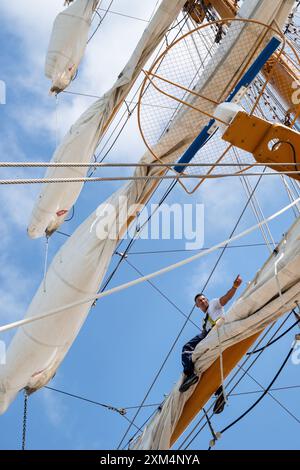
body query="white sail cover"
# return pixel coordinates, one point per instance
(68, 42)
(38, 348)
(260, 305)
(79, 145)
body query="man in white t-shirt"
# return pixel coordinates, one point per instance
(213, 310)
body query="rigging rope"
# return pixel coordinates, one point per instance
(137, 178)
(162, 294)
(204, 287)
(45, 264)
(148, 276)
(255, 351)
(275, 399)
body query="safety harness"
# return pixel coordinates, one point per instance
(205, 321)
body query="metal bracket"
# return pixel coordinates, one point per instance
(269, 143)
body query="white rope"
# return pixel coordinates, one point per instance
(46, 264)
(139, 280)
(155, 164)
(256, 208)
(137, 178)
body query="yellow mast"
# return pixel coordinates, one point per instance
(210, 382)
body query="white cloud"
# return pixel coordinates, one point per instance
(15, 286)
(55, 408)
(15, 201)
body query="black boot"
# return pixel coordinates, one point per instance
(188, 381)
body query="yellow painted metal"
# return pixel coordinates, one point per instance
(284, 79)
(210, 382)
(269, 143)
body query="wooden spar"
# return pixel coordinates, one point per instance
(210, 382)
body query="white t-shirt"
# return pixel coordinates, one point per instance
(215, 311)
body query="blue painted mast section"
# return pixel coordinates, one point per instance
(245, 82)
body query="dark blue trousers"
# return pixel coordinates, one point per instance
(187, 351)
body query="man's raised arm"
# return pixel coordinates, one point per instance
(228, 296)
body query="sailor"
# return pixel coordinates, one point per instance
(213, 311)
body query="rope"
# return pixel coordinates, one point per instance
(46, 263)
(262, 396)
(240, 379)
(232, 232)
(215, 266)
(231, 380)
(125, 16)
(275, 399)
(221, 366)
(137, 178)
(131, 102)
(215, 435)
(266, 391)
(258, 213)
(121, 411)
(129, 165)
(157, 374)
(275, 340)
(278, 389)
(162, 294)
(276, 277)
(148, 276)
(159, 252)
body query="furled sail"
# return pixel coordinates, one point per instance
(68, 42)
(80, 143)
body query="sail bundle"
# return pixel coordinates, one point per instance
(80, 143)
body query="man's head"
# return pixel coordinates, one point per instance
(201, 302)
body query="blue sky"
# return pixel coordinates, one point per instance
(126, 337)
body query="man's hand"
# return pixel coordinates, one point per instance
(237, 282)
